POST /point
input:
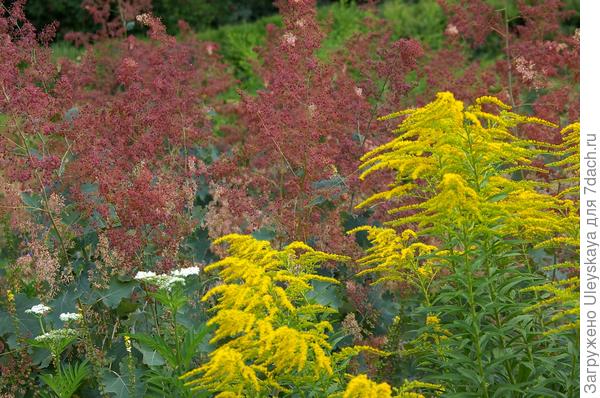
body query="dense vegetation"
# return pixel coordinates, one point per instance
(347, 201)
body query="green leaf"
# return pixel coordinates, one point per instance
(336, 181)
(317, 201)
(117, 291)
(325, 293)
(68, 379)
(126, 384)
(264, 234)
(155, 347)
(192, 342)
(498, 197)
(114, 383)
(150, 357)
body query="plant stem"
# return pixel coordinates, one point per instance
(176, 335)
(473, 313)
(508, 57)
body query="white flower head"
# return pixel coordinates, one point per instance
(69, 316)
(142, 275)
(55, 335)
(167, 281)
(39, 309)
(183, 272)
(164, 281)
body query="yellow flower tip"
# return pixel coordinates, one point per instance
(372, 350)
(190, 373)
(390, 116)
(127, 341)
(358, 229)
(408, 234)
(445, 95)
(432, 320)
(492, 100)
(573, 127)
(537, 120)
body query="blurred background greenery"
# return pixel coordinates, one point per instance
(419, 19)
(210, 14)
(238, 26)
(200, 14)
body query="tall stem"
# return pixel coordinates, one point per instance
(176, 335)
(473, 313)
(508, 57)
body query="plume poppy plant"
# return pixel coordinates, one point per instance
(111, 178)
(302, 134)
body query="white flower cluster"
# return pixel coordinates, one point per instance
(166, 281)
(69, 316)
(40, 309)
(142, 275)
(183, 272)
(55, 335)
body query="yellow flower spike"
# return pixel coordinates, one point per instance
(492, 100)
(225, 369)
(497, 120)
(352, 351)
(537, 120)
(127, 341)
(320, 278)
(228, 394)
(322, 360)
(395, 257)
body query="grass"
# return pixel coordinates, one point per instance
(63, 49)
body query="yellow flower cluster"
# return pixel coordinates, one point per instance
(408, 388)
(362, 387)
(460, 162)
(570, 151)
(270, 336)
(396, 256)
(562, 296)
(465, 168)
